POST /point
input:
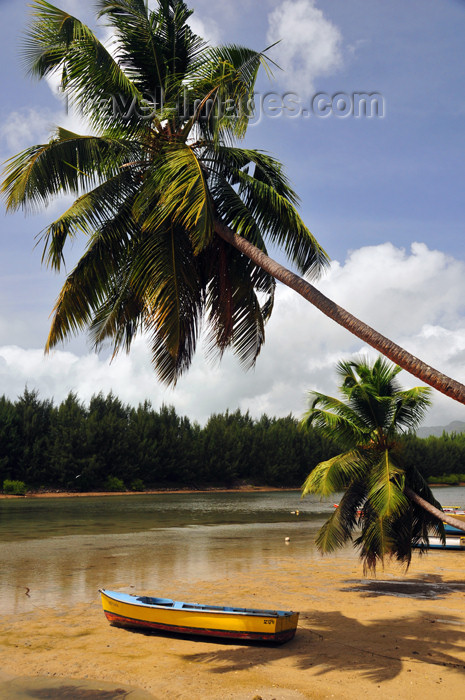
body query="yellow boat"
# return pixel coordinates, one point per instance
(126, 610)
(456, 511)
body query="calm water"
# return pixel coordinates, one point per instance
(63, 550)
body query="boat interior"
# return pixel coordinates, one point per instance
(176, 604)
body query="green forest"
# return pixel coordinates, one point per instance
(107, 445)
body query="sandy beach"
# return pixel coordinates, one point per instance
(355, 638)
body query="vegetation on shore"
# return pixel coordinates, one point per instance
(447, 480)
(109, 446)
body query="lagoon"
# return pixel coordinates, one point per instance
(59, 551)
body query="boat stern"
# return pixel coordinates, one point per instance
(286, 627)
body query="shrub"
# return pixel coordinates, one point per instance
(114, 484)
(451, 479)
(15, 488)
(137, 485)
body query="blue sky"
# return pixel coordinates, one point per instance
(384, 196)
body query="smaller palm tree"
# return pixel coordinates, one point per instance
(376, 511)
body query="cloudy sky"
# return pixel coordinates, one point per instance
(384, 195)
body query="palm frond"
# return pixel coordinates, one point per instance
(68, 164)
(339, 528)
(277, 217)
(372, 390)
(411, 407)
(385, 483)
(231, 210)
(156, 48)
(236, 315)
(90, 76)
(119, 317)
(333, 417)
(221, 86)
(91, 281)
(379, 376)
(333, 534)
(177, 190)
(261, 206)
(167, 274)
(376, 541)
(335, 474)
(87, 214)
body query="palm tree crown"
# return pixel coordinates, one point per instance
(367, 420)
(158, 171)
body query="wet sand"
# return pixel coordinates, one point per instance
(396, 636)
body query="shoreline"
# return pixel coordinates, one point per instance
(148, 492)
(56, 493)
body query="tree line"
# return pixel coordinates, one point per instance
(106, 445)
(109, 445)
(440, 459)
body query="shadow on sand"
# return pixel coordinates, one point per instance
(432, 588)
(378, 649)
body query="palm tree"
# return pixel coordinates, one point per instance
(154, 183)
(385, 500)
(177, 217)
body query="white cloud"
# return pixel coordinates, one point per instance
(25, 127)
(71, 6)
(29, 126)
(310, 44)
(206, 28)
(53, 81)
(413, 297)
(394, 290)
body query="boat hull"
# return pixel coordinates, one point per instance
(451, 542)
(210, 621)
(450, 530)
(455, 538)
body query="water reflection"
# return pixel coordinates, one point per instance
(70, 569)
(60, 551)
(37, 517)
(56, 552)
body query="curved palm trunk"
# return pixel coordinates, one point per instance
(394, 352)
(445, 517)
